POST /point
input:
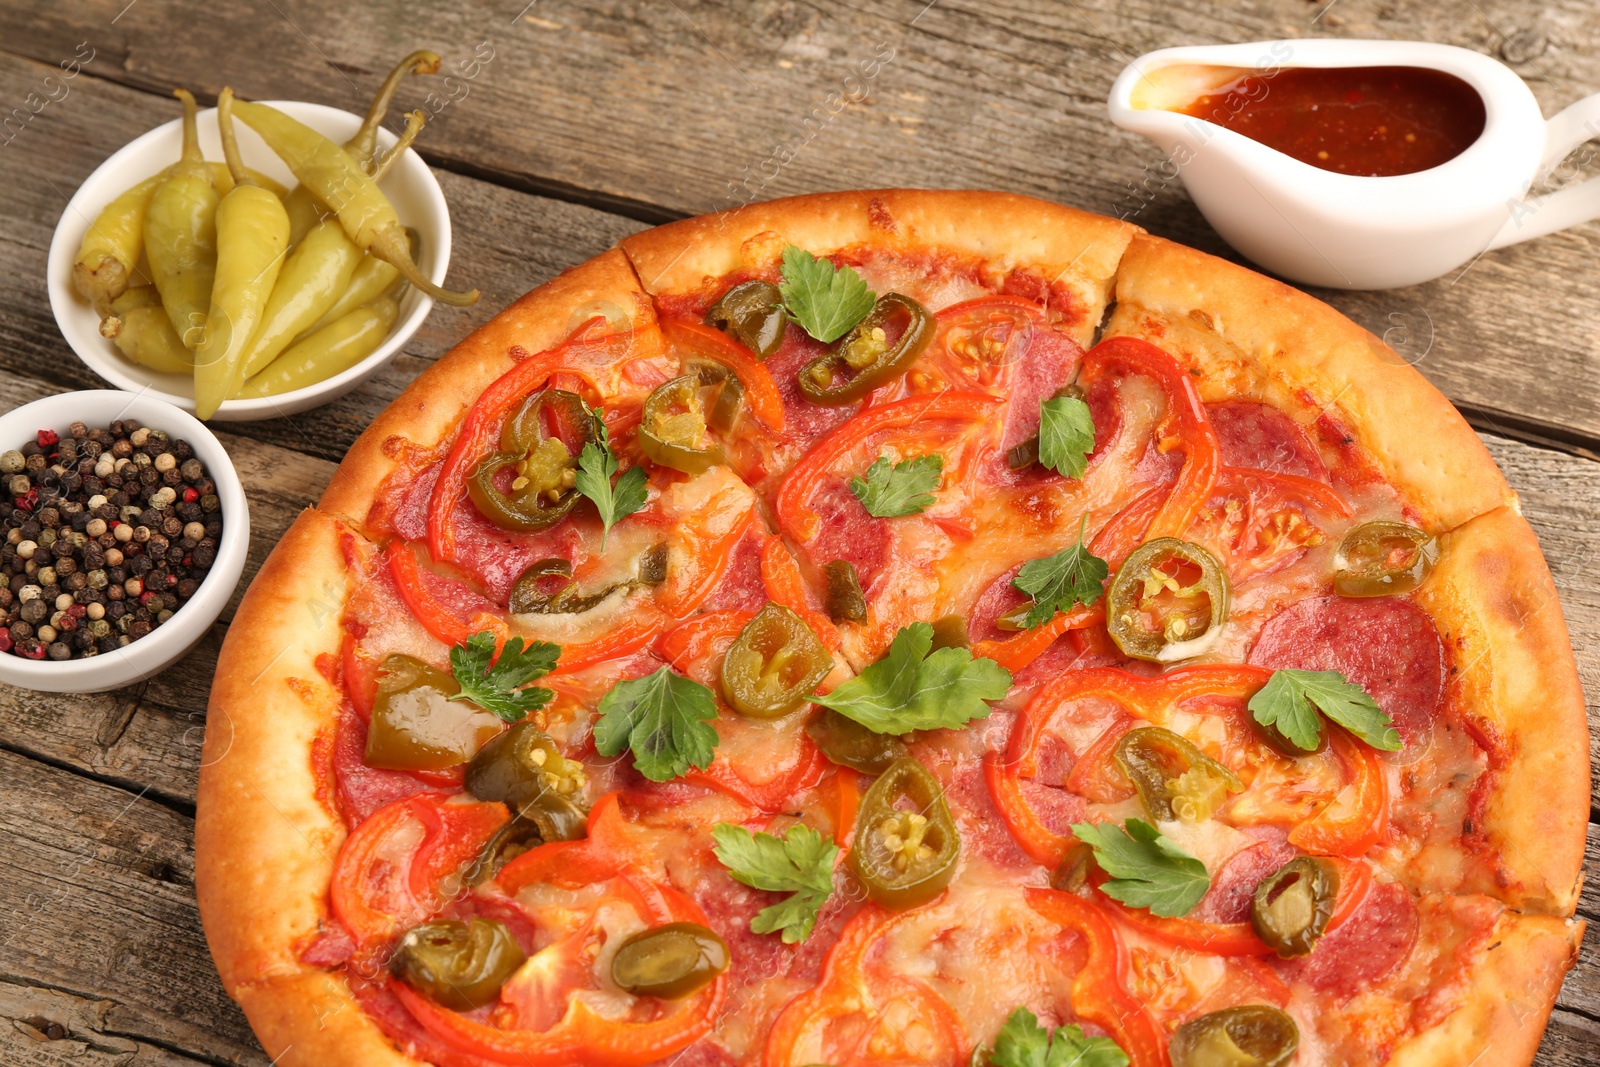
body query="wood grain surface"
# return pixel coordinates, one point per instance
(581, 123)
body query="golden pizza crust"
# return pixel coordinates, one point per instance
(312, 1020)
(1507, 999)
(1495, 605)
(1003, 231)
(431, 407)
(1246, 336)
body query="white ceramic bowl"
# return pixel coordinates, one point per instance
(165, 644)
(410, 185)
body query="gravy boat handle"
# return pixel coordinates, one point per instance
(1540, 215)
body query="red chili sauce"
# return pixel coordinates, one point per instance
(1352, 120)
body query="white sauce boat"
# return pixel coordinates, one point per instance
(1349, 231)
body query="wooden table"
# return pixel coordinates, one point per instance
(563, 127)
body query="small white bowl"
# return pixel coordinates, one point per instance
(164, 645)
(410, 186)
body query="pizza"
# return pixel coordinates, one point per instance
(901, 628)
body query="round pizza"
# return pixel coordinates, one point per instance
(901, 628)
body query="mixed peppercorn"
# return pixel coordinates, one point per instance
(110, 532)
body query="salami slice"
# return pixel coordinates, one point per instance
(1234, 884)
(1370, 944)
(1262, 437)
(1386, 645)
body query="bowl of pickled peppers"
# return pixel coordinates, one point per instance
(256, 259)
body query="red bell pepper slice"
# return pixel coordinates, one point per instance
(1239, 938)
(437, 617)
(759, 391)
(1185, 420)
(381, 884)
(695, 638)
(863, 1014)
(1099, 990)
(805, 477)
(600, 855)
(480, 431)
(680, 598)
(780, 574)
(1150, 699)
(1348, 827)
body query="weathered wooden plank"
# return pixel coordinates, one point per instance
(504, 242)
(98, 890)
(1569, 1040)
(42, 1027)
(688, 107)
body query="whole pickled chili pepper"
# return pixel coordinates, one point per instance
(180, 234)
(334, 177)
(304, 209)
(371, 279)
(252, 237)
(336, 347)
(139, 327)
(313, 276)
(104, 266)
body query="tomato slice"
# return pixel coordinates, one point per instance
(976, 345)
(1150, 699)
(392, 870)
(862, 1014)
(1099, 990)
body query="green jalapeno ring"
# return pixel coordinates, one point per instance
(1383, 558)
(752, 314)
(774, 664)
(1129, 589)
(1173, 778)
(461, 965)
(905, 856)
(866, 353)
(670, 961)
(1073, 872)
(415, 725)
(950, 631)
(1292, 906)
(673, 424)
(1250, 1035)
(849, 744)
(548, 493)
(522, 834)
(845, 601)
(524, 767)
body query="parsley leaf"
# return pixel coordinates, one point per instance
(1066, 435)
(1071, 576)
(826, 302)
(911, 690)
(662, 717)
(596, 464)
(495, 685)
(1022, 1042)
(905, 488)
(1147, 870)
(1289, 697)
(799, 863)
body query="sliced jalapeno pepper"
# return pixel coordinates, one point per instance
(866, 357)
(845, 600)
(461, 965)
(653, 564)
(1173, 778)
(543, 469)
(1168, 601)
(1251, 1035)
(1072, 873)
(1382, 558)
(524, 768)
(752, 314)
(773, 665)
(672, 428)
(849, 744)
(520, 835)
(1292, 907)
(950, 631)
(416, 727)
(906, 844)
(669, 962)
